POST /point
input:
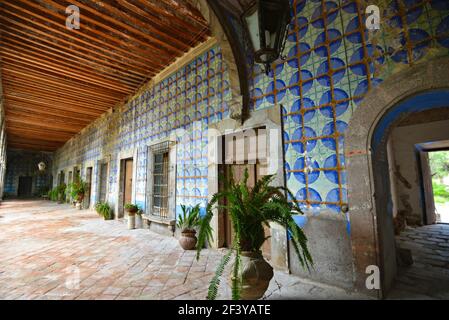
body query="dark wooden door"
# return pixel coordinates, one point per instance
(88, 186)
(103, 181)
(128, 181)
(238, 171)
(25, 186)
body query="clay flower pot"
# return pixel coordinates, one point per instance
(256, 274)
(188, 239)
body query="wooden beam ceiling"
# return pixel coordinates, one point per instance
(56, 81)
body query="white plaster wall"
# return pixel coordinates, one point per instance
(404, 140)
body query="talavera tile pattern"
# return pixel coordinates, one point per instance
(332, 60)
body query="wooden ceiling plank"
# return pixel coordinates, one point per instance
(93, 112)
(136, 45)
(68, 72)
(43, 113)
(66, 83)
(171, 49)
(138, 68)
(164, 35)
(35, 50)
(184, 32)
(96, 50)
(25, 84)
(45, 125)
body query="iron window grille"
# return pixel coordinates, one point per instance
(160, 179)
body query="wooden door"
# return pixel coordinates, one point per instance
(88, 186)
(25, 186)
(426, 178)
(103, 181)
(238, 171)
(128, 181)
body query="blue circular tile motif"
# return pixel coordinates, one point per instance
(306, 79)
(321, 48)
(413, 12)
(299, 146)
(340, 107)
(330, 17)
(257, 92)
(323, 70)
(332, 175)
(334, 196)
(277, 71)
(287, 170)
(420, 41)
(301, 176)
(358, 56)
(362, 88)
(353, 27)
(313, 196)
(280, 88)
(293, 55)
(300, 4)
(303, 26)
(329, 130)
(442, 31)
(286, 141)
(308, 114)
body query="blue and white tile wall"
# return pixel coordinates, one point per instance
(189, 99)
(332, 61)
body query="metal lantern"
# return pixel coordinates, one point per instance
(266, 22)
(41, 165)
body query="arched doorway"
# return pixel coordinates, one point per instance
(419, 88)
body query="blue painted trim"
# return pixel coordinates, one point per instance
(423, 101)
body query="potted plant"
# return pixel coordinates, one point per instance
(104, 210)
(131, 209)
(61, 192)
(77, 192)
(187, 222)
(249, 210)
(139, 221)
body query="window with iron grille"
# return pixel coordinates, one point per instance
(160, 180)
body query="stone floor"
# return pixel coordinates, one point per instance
(428, 276)
(53, 251)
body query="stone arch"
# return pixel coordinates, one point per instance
(238, 87)
(366, 239)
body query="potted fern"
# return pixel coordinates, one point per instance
(249, 210)
(131, 209)
(78, 191)
(187, 222)
(104, 210)
(60, 192)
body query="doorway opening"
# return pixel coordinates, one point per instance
(88, 187)
(413, 244)
(25, 187)
(103, 182)
(126, 184)
(242, 151)
(439, 166)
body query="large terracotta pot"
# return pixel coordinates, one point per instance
(256, 274)
(188, 239)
